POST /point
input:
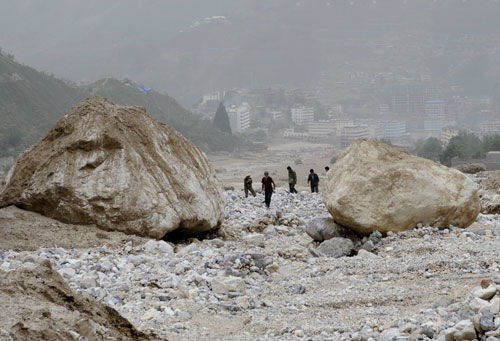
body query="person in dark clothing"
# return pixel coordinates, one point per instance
(268, 187)
(327, 169)
(292, 179)
(313, 180)
(247, 183)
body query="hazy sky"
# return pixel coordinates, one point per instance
(178, 46)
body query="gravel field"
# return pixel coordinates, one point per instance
(259, 278)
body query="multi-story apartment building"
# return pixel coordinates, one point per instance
(322, 128)
(394, 129)
(436, 108)
(434, 126)
(446, 135)
(302, 115)
(239, 117)
(349, 134)
(407, 99)
(490, 128)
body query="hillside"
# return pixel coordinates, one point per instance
(165, 109)
(31, 102)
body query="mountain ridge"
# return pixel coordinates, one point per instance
(32, 101)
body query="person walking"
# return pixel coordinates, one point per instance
(268, 187)
(292, 179)
(313, 180)
(327, 169)
(247, 183)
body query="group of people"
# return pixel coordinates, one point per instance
(268, 185)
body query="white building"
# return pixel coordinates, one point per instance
(434, 126)
(239, 117)
(302, 115)
(322, 128)
(447, 134)
(349, 134)
(490, 128)
(435, 108)
(275, 114)
(394, 129)
(216, 96)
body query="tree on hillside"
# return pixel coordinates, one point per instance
(491, 143)
(465, 146)
(430, 148)
(221, 119)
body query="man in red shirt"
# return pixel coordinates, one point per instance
(268, 187)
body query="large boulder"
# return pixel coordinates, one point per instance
(375, 187)
(116, 167)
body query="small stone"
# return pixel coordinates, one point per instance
(298, 333)
(255, 239)
(298, 289)
(375, 236)
(479, 305)
(184, 315)
(272, 267)
(67, 272)
(229, 284)
(495, 305)
(464, 330)
(321, 229)
(336, 247)
(487, 322)
(407, 328)
(485, 293)
(368, 246)
(365, 254)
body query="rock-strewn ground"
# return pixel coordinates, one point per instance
(260, 281)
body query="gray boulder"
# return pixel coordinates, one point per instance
(321, 229)
(336, 247)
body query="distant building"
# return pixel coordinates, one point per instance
(447, 134)
(435, 108)
(239, 117)
(407, 99)
(394, 129)
(492, 160)
(275, 114)
(302, 115)
(349, 134)
(490, 128)
(291, 134)
(322, 128)
(384, 109)
(434, 126)
(216, 96)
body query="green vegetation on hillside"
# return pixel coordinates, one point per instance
(464, 146)
(32, 101)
